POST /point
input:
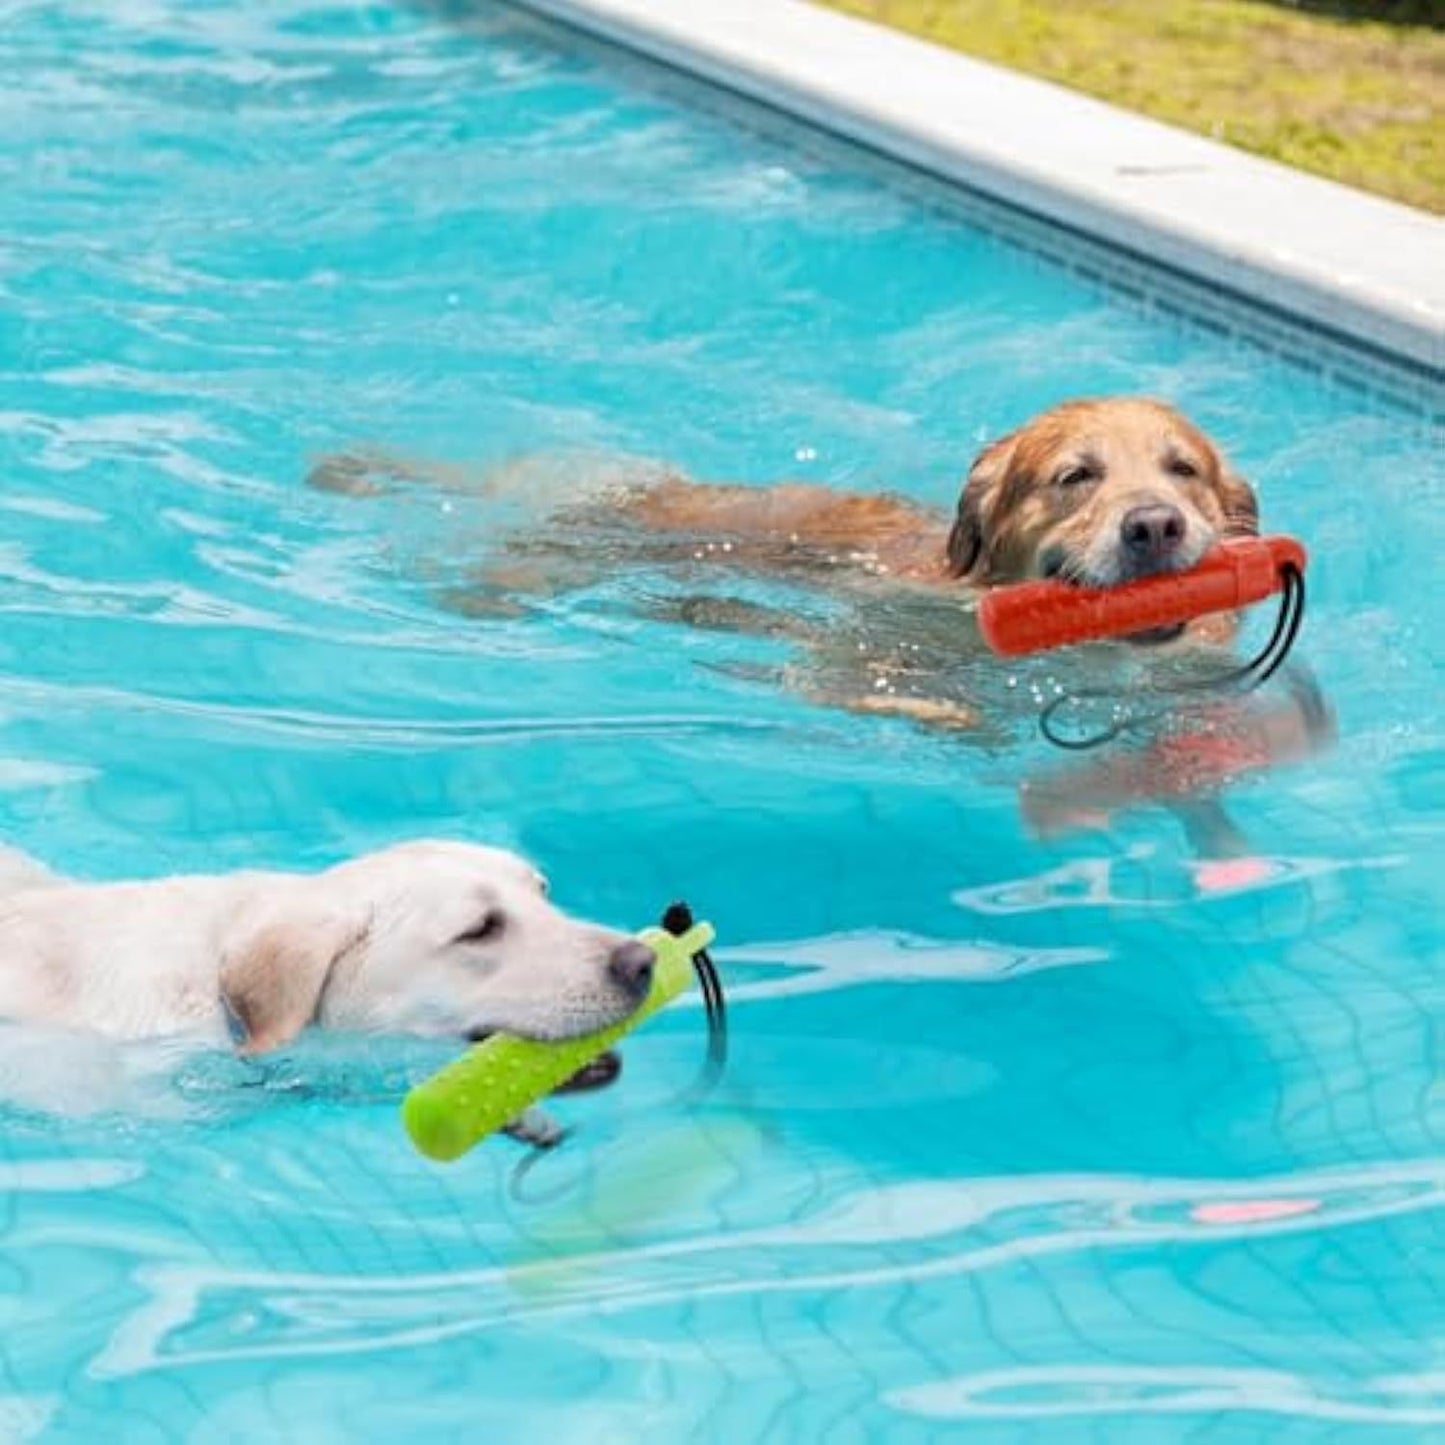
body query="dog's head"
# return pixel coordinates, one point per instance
(1097, 492)
(428, 938)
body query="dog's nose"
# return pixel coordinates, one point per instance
(1152, 533)
(630, 964)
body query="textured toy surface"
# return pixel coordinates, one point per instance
(1035, 616)
(491, 1085)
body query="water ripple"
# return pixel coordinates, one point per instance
(852, 960)
(26, 1417)
(197, 1314)
(1054, 1391)
(381, 733)
(68, 1176)
(1093, 883)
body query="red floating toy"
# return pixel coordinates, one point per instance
(1036, 616)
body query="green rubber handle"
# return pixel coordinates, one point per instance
(488, 1087)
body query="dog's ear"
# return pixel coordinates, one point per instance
(273, 979)
(968, 542)
(1241, 506)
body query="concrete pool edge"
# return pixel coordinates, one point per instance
(1368, 271)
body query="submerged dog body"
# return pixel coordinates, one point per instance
(430, 938)
(1096, 492)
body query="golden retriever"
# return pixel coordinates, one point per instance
(1093, 491)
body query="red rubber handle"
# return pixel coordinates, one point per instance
(1035, 616)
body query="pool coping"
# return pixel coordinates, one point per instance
(1370, 271)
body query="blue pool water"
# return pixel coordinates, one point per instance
(1026, 1137)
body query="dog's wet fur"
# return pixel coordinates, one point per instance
(1097, 492)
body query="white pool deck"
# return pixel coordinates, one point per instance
(1366, 269)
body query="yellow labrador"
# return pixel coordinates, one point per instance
(428, 938)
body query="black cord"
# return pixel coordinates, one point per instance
(529, 1161)
(677, 920)
(1250, 675)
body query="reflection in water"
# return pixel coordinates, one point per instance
(1097, 882)
(1052, 1391)
(853, 960)
(869, 1239)
(1203, 752)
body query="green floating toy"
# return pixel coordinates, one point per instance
(490, 1086)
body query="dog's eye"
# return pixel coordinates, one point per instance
(488, 927)
(1181, 467)
(1075, 476)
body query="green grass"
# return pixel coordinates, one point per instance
(1315, 84)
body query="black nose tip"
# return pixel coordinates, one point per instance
(630, 964)
(1152, 532)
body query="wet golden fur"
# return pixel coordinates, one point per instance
(1046, 497)
(1050, 498)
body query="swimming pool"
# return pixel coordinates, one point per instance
(1053, 1138)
